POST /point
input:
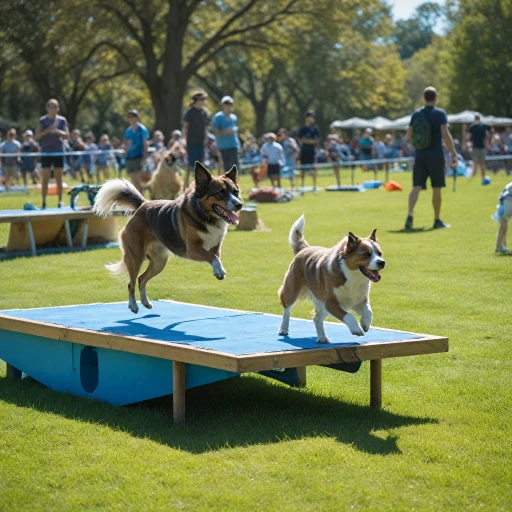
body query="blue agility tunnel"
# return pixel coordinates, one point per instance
(105, 352)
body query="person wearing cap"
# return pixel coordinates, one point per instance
(366, 144)
(272, 152)
(309, 136)
(52, 130)
(136, 144)
(10, 163)
(29, 163)
(225, 128)
(195, 130)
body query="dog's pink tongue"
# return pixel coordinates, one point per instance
(376, 276)
(233, 218)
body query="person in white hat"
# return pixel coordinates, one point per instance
(225, 128)
(29, 163)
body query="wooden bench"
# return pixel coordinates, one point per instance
(31, 231)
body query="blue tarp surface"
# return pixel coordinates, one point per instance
(35, 213)
(223, 330)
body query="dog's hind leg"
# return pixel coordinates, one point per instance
(157, 256)
(133, 258)
(288, 295)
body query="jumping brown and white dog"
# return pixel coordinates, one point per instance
(166, 182)
(337, 280)
(192, 226)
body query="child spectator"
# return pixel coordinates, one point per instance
(252, 157)
(104, 159)
(10, 163)
(90, 157)
(502, 216)
(120, 162)
(76, 144)
(272, 152)
(29, 163)
(291, 152)
(333, 156)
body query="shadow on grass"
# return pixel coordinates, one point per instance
(410, 231)
(236, 412)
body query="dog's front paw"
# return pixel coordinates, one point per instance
(323, 339)
(220, 274)
(357, 331)
(283, 332)
(366, 317)
(218, 270)
(352, 324)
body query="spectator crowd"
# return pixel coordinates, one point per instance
(215, 141)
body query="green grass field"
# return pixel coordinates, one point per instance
(441, 441)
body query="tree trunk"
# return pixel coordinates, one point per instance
(260, 109)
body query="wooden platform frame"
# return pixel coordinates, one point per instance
(180, 354)
(41, 216)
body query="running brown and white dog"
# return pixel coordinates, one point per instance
(166, 182)
(337, 280)
(192, 226)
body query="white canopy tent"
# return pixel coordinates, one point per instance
(382, 123)
(352, 123)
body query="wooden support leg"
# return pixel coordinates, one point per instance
(85, 233)
(178, 391)
(376, 383)
(31, 238)
(69, 240)
(12, 372)
(301, 372)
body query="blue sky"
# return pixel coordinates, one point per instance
(403, 9)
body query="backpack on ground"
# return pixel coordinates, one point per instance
(421, 130)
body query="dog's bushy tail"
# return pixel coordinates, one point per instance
(118, 270)
(117, 193)
(296, 237)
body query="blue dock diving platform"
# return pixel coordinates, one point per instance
(104, 351)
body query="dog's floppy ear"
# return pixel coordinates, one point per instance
(372, 236)
(353, 241)
(232, 174)
(202, 178)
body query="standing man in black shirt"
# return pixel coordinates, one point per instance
(195, 130)
(480, 139)
(309, 137)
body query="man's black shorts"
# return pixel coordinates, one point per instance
(307, 157)
(273, 170)
(425, 166)
(48, 161)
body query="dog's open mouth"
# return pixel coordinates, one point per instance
(372, 275)
(227, 215)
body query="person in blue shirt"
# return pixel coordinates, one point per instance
(225, 128)
(429, 162)
(136, 144)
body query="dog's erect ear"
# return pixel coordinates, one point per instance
(232, 174)
(353, 241)
(372, 236)
(202, 178)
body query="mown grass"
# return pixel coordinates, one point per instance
(441, 441)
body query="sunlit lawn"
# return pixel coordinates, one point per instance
(441, 441)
